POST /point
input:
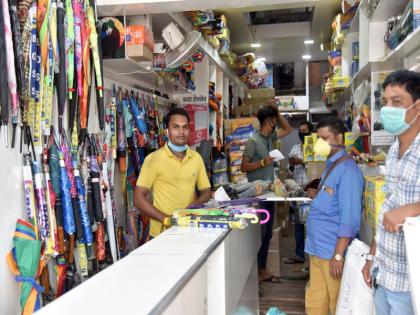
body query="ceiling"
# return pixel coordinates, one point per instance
(279, 43)
(288, 45)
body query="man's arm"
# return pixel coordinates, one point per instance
(142, 202)
(394, 218)
(204, 197)
(248, 167)
(368, 266)
(285, 128)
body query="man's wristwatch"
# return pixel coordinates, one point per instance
(369, 257)
(338, 257)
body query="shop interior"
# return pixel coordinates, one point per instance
(84, 105)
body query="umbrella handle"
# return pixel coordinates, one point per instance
(267, 215)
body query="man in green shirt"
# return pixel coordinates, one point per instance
(258, 165)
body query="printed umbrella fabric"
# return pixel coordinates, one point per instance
(26, 265)
(61, 82)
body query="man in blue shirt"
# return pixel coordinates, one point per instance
(334, 218)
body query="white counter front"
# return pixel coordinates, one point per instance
(183, 271)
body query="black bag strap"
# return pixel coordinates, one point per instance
(330, 169)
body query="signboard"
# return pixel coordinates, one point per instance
(198, 110)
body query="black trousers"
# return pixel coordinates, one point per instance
(266, 234)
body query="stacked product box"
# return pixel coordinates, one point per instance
(374, 197)
(242, 131)
(220, 176)
(308, 149)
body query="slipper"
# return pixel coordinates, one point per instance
(272, 279)
(289, 261)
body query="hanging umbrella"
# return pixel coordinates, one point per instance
(60, 270)
(23, 10)
(4, 90)
(55, 175)
(17, 47)
(26, 265)
(100, 242)
(84, 216)
(70, 37)
(95, 185)
(78, 47)
(11, 71)
(51, 244)
(93, 40)
(29, 192)
(61, 80)
(43, 223)
(138, 114)
(65, 186)
(43, 14)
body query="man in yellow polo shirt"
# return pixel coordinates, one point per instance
(174, 174)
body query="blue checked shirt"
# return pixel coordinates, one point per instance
(336, 211)
(299, 173)
(402, 178)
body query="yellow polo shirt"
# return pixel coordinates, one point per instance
(173, 181)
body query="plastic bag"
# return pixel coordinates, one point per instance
(412, 236)
(355, 298)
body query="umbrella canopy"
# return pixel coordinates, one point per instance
(4, 90)
(138, 115)
(26, 265)
(61, 80)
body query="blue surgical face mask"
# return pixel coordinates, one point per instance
(393, 119)
(177, 148)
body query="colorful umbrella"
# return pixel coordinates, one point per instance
(23, 10)
(43, 223)
(95, 185)
(138, 114)
(26, 265)
(70, 37)
(84, 216)
(77, 8)
(65, 186)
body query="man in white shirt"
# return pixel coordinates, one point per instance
(300, 175)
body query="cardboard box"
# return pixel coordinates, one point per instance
(139, 35)
(308, 153)
(315, 169)
(375, 186)
(372, 209)
(139, 53)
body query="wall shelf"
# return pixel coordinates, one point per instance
(387, 9)
(133, 69)
(405, 48)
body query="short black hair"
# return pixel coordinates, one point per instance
(335, 125)
(175, 111)
(267, 112)
(307, 123)
(410, 80)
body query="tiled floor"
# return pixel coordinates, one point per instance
(289, 295)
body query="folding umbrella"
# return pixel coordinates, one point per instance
(65, 186)
(61, 80)
(26, 264)
(43, 223)
(23, 10)
(43, 10)
(78, 47)
(84, 216)
(95, 185)
(4, 90)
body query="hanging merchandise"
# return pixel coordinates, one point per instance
(4, 90)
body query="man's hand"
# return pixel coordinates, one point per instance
(312, 192)
(366, 273)
(268, 161)
(393, 220)
(336, 268)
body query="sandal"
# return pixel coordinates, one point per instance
(290, 261)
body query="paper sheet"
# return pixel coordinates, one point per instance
(221, 195)
(276, 155)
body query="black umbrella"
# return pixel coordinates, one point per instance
(95, 184)
(17, 45)
(61, 80)
(4, 89)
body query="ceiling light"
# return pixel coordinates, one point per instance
(262, 59)
(308, 42)
(306, 57)
(255, 45)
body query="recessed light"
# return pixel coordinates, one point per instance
(255, 45)
(306, 57)
(308, 42)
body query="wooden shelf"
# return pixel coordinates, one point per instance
(387, 9)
